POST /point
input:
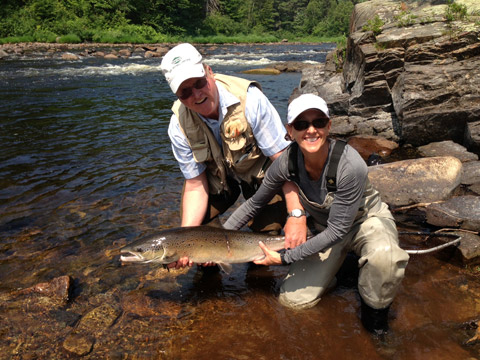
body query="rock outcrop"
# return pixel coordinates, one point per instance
(410, 73)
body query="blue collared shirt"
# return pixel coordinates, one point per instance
(263, 118)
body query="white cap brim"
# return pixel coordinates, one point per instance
(183, 73)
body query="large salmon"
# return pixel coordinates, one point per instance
(201, 244)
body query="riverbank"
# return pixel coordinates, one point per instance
(26, 47)
(109, 51)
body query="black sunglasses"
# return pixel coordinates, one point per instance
(319, 123)
(187, 92)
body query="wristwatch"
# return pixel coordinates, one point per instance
(296, 213)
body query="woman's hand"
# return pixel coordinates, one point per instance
(295, 231)
(271, 257)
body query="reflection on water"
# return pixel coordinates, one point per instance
(86, 166)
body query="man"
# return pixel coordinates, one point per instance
(224, 134)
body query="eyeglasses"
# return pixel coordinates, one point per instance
(319, 123)
(187, 92)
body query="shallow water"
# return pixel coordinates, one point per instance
(86, 167)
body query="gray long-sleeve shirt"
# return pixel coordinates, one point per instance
(349, 201)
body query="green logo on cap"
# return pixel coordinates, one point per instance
(176, 60)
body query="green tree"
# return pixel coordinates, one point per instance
(316, 11)
(287, 11)
(337, 22)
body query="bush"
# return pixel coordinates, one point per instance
(69, 39)
(42, 35)
(455, 11)
(216, 24)
(135, 34)
(337, 22)
(374, 25)
(80, 27)
(16, 39)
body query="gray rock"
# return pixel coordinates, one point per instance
(469, 248)
(110, 56)
(475, 188)
(415, 181)
(472, 136)
(459, 212)
(69, 56)
(471, 173)
(468, 251)
(435, 100)
(447, 148)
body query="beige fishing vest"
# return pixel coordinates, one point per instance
(239, 155)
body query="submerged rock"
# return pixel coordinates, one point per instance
(417, 180)
(79, 344)
(58, 289)
(81, 340)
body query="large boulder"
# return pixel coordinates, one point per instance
(414, 181)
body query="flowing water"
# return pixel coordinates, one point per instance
(86, 167)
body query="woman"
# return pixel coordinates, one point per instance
(347, 214)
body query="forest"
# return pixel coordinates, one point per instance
(155, 21)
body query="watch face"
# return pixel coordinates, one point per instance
(297, 212)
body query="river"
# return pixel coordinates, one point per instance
(86, 166)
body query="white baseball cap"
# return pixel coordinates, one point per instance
(306, 102)
(181, 63)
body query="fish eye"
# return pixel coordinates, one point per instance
(139, 249)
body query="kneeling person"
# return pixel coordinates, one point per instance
(347, 213)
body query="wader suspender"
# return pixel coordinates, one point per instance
(332, 167)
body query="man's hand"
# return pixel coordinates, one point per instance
(295, 231)
(180, 263)
(184, 262)
(271, 257)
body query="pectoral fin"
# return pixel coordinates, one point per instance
(226, 268)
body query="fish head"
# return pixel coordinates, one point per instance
(148, 250)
